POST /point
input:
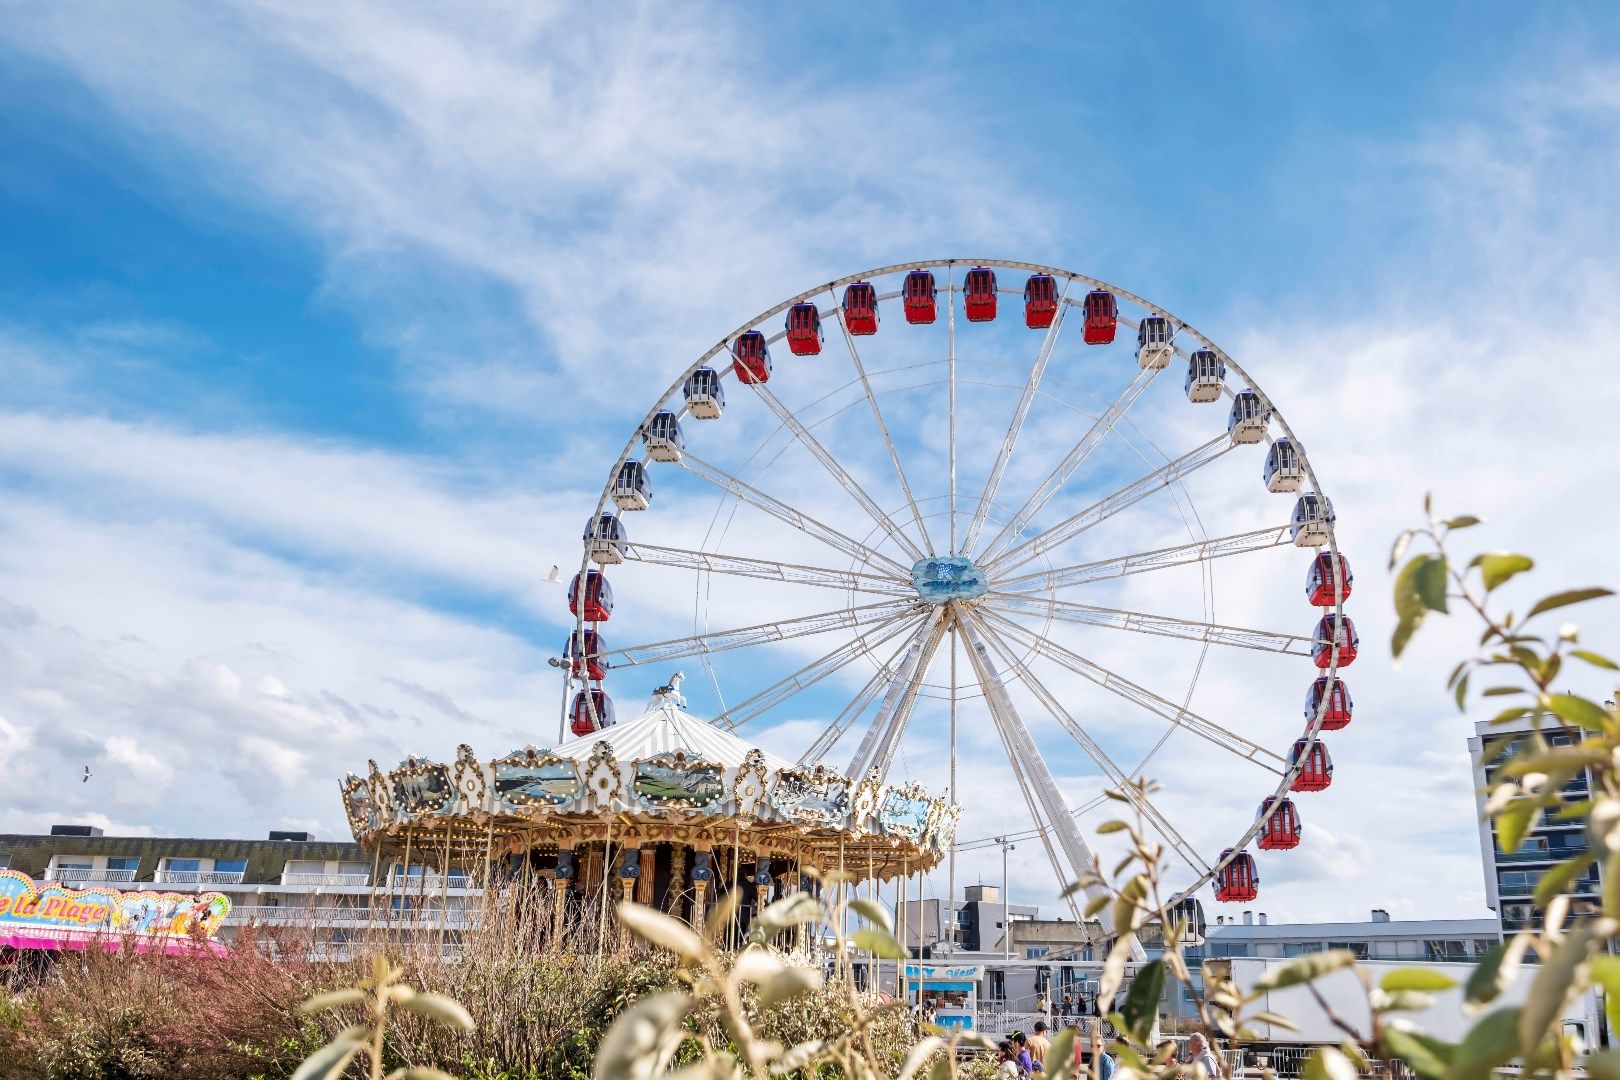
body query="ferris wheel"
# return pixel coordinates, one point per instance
(992, 524)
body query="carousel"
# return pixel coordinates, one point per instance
(665, 809)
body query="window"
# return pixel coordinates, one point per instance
(230, 866)
(185, 866)
(72, 864)
(1357, 948)
(123, 862)
(1229, 948)
(1300, 948)
(1035, 952)
(1482, 946)
(1445, 949)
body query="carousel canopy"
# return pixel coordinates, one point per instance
(666, 729)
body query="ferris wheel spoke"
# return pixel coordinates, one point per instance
(1159, 559)
(950, 376)
(883, 429)
(765, 569)
(787, 514)
(813, 672)
(743, 637)
(1051, 813)
(1014, 429)
(1143, 623)
(1071, 461)
(1169, 473)
(1118, 777)
(837, 471)
(1116, 684)
(881, 740)
(841, 723)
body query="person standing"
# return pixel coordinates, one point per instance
(1066, 1006)
(1006, 1061)
(1021, 1045)
(1203, 1057)
(1039, 1045)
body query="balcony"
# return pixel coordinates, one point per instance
(426, 883)
(326, 879)
(199, 877)
(1533, 856)
(78, 875)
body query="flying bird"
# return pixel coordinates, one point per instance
(555, 577)
(85, 779)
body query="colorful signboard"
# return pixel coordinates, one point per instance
(48, 914)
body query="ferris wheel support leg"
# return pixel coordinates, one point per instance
(1076, 851)
(882, 737)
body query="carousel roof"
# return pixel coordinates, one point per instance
(664, 729)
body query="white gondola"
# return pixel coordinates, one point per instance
(1206, 375)
(605, 537)
(1247, 422)
(663, 438)
(631, 488)
(1155, 343)
(705, 397)
(1313, 518)
(1284, 471)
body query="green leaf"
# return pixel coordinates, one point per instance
(1327, 1063)
(1597, 660)
(789, 983)
(1408, 602)
(1305, 969)
(1564, 599)
(1498, 567)
(1402, 637)
(1424, 1054)
(644, 1038)
(873, 912)
(1492, 1041)
(1462, 521)
(1606, 973)
(1512, 822)
(1402, 542)
(329, 1061)
(1503, 691)
(662, 930)
(1578, 711)
(1602, 1066)
(1388, 1001)
(419, 1073)
(1096, 904)
(1553, 987)
(333, 999)
(1494, 973)
(1111, 827)
(1141, 1006)
(795, 909)
(440, 1008)
(1060, 1058)
(1416, 979)
(1430, 584)
(920, 1053)
(879, 944)
(1557, 879)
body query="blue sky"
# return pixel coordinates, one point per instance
(319, 328)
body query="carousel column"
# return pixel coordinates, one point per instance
(629, 873)
(562, 884)
(677, 880)
(702, 874)
(648, 878)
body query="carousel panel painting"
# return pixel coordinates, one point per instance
(822, 797)
(422, 788)
(903, 814)
(542, 783)
(358, 806)
(676, 780)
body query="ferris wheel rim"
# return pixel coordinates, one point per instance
(1314, 725)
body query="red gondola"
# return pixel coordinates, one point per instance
(583, 654)
(921, 297)
(1338, 706)
(1317, 772)
(1319, 582)
(1335, 634)
(1102, 317)
(1281, 830)
(860, 308)
(1238, 882)
(804, 329)
(979, 290)
(752, 361)
(582, 723)
(598, 597)
(1040, 301)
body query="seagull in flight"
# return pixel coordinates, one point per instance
(555, 577)
(85, 779)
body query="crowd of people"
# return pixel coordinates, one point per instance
(1022, 1056)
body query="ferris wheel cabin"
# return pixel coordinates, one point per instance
(921, 298)
(1284, 470)
(631, 488)
(1319, 583)
(1102, 317)
(1316, 767)
(705, 397)
(663, 437)
(1155, 342)
(591, 710)
(979, 294)
(1237, 882)
(751, 360)
(1040, 301)
(1190, 914)
(604, 539)
(1281, 829)
(1335, 635)
(1206, 376)
(1339, 705)
(1247, 421)
(860, 308)
(583, 655)
(597, 593)
(804, 330)
(1313, 518)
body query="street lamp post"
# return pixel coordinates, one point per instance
(1006, 906)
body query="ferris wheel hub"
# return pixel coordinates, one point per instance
(939, 579)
